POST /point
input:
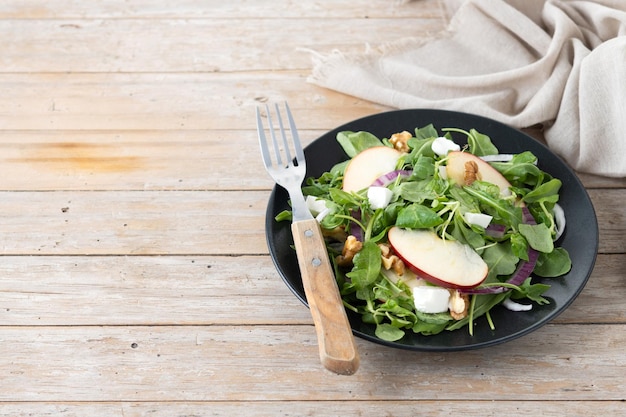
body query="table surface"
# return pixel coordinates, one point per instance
(136, 279)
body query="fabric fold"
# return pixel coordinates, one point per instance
(522, 62)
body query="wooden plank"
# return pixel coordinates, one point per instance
(133, 223)
(280, 363)
(152, 160)
(132, 160)
(190, 45)
(180, 102)
(490, 408)
(138, 290)
(609, 207)
(191, 9)
(204, 290)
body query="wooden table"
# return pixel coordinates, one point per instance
(135, 278)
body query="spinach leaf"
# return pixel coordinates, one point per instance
(500, 259)
(417, 216)
(386, 331)
(553, 264)
(480, 144)
(538, 236)
(356, 142)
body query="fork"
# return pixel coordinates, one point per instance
(337, 349)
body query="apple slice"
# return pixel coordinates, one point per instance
(456, 171)
(446, 263)
(368, 165)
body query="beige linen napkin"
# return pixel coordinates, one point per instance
(522, 62)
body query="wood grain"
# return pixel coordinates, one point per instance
(134, 272)
(280, 363)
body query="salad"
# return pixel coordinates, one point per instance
(425, 235)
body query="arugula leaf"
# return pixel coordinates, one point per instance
(521, 168)
(548, 191)
(366, 266)
(531, 291)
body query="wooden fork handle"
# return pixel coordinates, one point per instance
(337, 348)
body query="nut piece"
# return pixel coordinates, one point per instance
(350, 248)
(391, 261)
(458, 304)
(338, 233)
(471, 172)
(400, 141)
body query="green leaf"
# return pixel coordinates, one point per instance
(531, 291)
(466, 234)
(283, 216)
(366, 265)
(342, 198)
(538, 236)
(417, 191)
(354, 143)
(521, 169)
(548, 192)
(417, 216)
(519, 246)
(480, 144)
(553, 264)
(386, 331)
(423, 167)
(500, 259)
(426, 132)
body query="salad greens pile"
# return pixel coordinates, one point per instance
(423, 198)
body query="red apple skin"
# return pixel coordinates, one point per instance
(455, 169)
(369, 165)
(426, 255)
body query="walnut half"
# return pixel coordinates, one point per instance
(400, 141)
(351, 247)
(391, 261)
(471, 172)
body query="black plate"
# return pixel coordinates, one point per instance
(580, 237)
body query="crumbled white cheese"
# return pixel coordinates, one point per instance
(441, 146)
(379, 197)
(315, 205)
(478, 219)
(429, 299)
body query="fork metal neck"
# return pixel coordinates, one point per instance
(300, 211)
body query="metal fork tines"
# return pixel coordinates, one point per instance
(282, 167)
